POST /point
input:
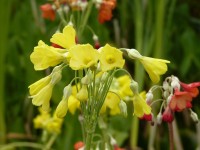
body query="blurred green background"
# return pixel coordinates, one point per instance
(168, 29)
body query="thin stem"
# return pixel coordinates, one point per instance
(50, 142)
(88, 140)
(21, 144)
(171, 136)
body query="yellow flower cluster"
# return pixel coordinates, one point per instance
(48, 123)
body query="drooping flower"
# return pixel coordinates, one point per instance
(191, 88)
(180, 100)
(105, 11)
(73, 104)
(112, 102)
(154, 67)
(66, 39)
(45, 56)
(110, 58)
(83, 56)
(48, 12)
(40, 84)
(141, 108)
(168, 115)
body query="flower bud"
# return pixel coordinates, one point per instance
(85, 80)
(123, 107)
(166, 86)
(82, 95)
(194, 116)
(175, 84)
(134, 86)
(149, 97)
(56, 77)
(67, 91)
(62, 108)
(159, 118)
(133, 53)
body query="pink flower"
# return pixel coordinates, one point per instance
(168, 115)
(48, 12)
(180, 100)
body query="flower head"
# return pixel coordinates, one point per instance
(191, 88)
(40, 84)
(112, 102)
(48, 12)
(154, 67)
(141, 108)
(45, 56)
(83, 56)
(66, 39)
(110, 57)
(180, 100)
(105, 11)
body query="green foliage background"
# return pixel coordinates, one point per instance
(167, 29)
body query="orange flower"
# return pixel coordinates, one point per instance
(168, 115)
(48, 12)
(78, 145)
(180, 100)
(105, 11)
(191, 88)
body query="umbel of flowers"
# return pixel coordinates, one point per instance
(94, 88)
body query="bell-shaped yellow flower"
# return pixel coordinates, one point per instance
(82, 94)
(154, 67)
(65, 39)
(111, 102)
(43, 97)
(73, 104)
(62, 108)
(54, 124)
(38, 85)
(110, 57)
(124, 86)
(140, 106)
(40, 119)
(83, 56)
(45, 56)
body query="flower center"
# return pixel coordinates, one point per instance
(110, 59)
(87, 60)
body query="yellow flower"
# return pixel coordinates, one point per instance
(73, 104)
(82, 94)
(54, 124)
(140, 106)
(45, 56)
(65, 39)
(154, 67)
(110, 57)
(40, 119)
(62, 108)
(83, 56)
(124, 86)
(40, 84)
(43, 97)
(111, 102)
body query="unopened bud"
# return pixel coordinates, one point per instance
(166, 86)
(134, 86)
(159, 118)
(166, 94)
(194, 116)
(56, 77)
(175, 84)
(169, 99)
(133, 53)
(149, 97)
(67, 91)
(85, 80)
(62, 108)
(82, 95)
(123, 107)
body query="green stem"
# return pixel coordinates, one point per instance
(4, 31)
(21, 144)
(88, 140)
(50, 142)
